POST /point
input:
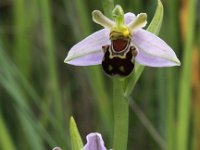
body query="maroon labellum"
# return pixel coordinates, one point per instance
(119, 57)
(119, 44)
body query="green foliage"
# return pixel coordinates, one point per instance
(153, 27)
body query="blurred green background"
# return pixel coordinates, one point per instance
(38, 92)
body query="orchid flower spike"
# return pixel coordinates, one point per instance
(120, 44)
(57, 148)
(94, 142)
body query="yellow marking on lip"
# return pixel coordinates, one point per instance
(120, 33)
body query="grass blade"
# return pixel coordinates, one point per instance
(184, 100)
(49, 43)
(154, 27)
(5, 138)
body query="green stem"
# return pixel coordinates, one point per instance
(171, 86)
(22, 47)
(170, 109)
(121, 116)
(51, 58)
(5, 138)
(184, 101)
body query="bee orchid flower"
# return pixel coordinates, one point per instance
(122, 42)
(94, 142)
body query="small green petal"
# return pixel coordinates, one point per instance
(118, 15)
(139, 22)
(99, 18)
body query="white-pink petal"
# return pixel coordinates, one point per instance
(89, 50)
(153, 51)
(94, 142)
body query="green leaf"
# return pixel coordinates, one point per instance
(76, 141)
(156, 22)
(185, 90)
(153, 27)
(5, 138)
